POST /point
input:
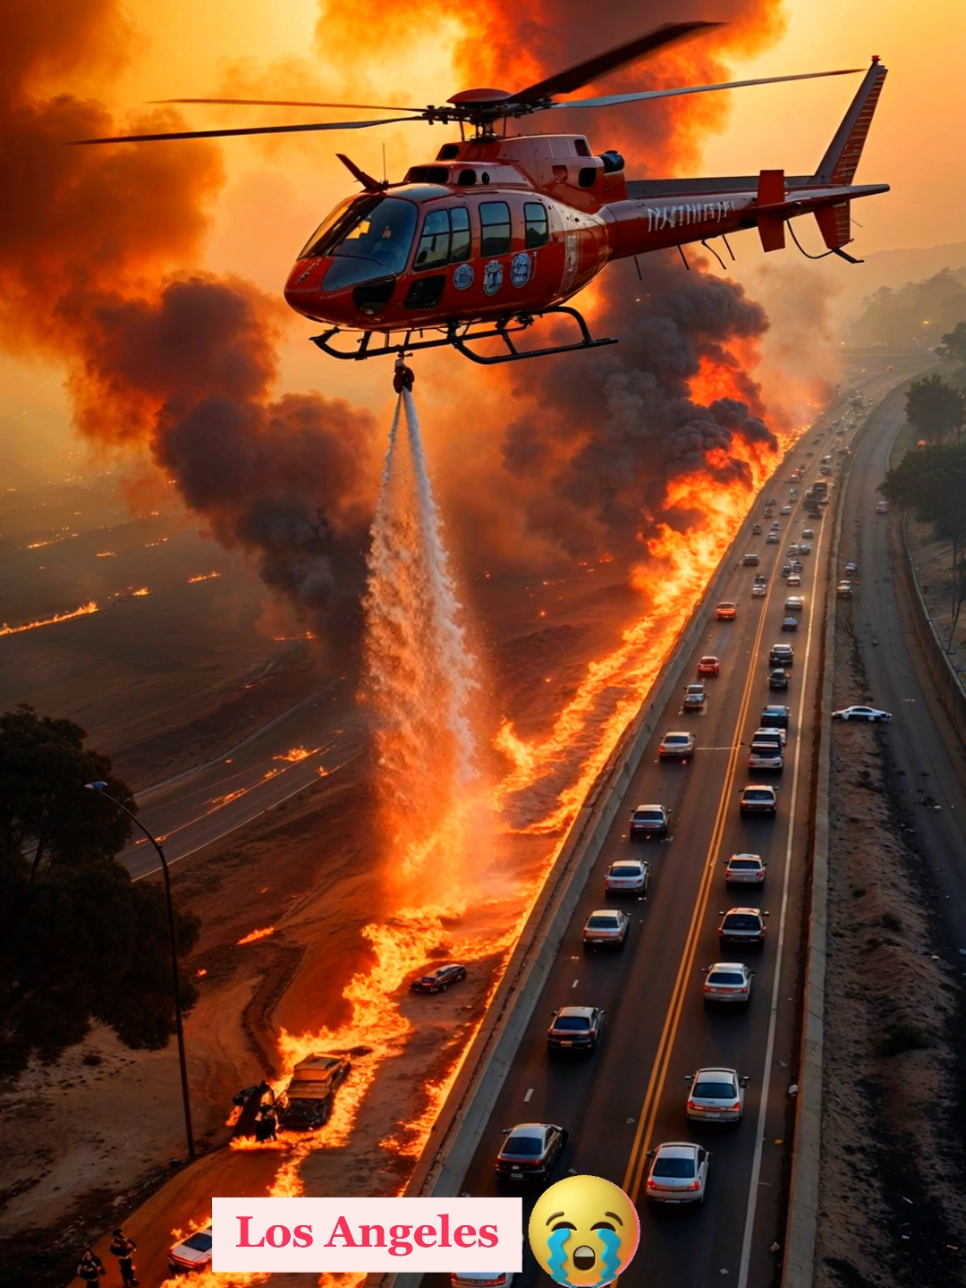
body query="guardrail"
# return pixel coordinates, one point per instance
(460, 1125)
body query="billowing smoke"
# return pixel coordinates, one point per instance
(93, 249)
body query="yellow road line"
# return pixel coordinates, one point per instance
(652, 1096)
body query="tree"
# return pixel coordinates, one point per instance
(78, 939)
(934, 408)
(954, 343)
(931, 481)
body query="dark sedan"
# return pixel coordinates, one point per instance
(778, 679)
(529, 1152)
(575, 1028)
(438, 981)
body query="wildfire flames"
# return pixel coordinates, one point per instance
(204, 576)
(256, 934)
(297, 754)
(84, 611)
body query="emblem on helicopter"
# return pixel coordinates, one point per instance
(463, 277)
(520, 269)
(493, 277)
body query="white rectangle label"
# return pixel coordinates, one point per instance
(367, 1234)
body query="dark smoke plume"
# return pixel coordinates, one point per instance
(90, 242)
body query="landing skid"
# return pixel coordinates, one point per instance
(460, 337)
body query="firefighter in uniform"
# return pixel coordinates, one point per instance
(91, 1267)
(124, 1249)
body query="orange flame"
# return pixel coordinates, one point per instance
(204, 576)
(297, 754)
(256, 934)
(84, 611)
(139, 594)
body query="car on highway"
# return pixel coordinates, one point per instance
(759, 799)
(728, 983)
(809, 453)
(794, 604)
(844, 590)
(851, 568)
(789, 624)
(306, 1103)
(772, 539)
(786, 509)
(751, 560)
(764, 753)
(677, 745)
(745, 869)
(481, 1279)
(778, 678)
(881, 507)
(793, 493)
(439, 980)
(191, 1254)
(575, 1028)
(792, 550)
(771, 501)
(759, 590)
(716, 1095)
(756, 529)
(793, 579)
(808, 533)
(709, 665)
(781, 655)
(805, 548)
(529, 1152)
(797, 565)
(694, 697)
(775, 716)
(768, 513)
(650, 820)
(627, 876)
(678, 1173)
(825, 471)
(743, 926)
(786, 569)
(606, 928)
(726, 611)
(872, 714)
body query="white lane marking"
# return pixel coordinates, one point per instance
(773, 1013)
(528, 1095)
(575, 983)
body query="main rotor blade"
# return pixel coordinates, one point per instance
(613, 100)
(226, 134)
(574, 77)
(290, 102)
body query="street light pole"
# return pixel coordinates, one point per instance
(100, 789)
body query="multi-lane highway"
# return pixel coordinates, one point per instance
(631, 1095)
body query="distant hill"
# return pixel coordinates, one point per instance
(892, 268)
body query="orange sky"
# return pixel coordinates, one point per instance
(276, 194)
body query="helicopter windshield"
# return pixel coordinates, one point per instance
(370, 237)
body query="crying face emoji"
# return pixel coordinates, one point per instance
(584, 1231)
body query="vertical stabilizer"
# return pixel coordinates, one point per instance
(842, 158)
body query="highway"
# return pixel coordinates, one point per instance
(631, 1095)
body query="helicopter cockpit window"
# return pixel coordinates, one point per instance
(495, 234)
(535, 220)
(445, 239)
(371, 239)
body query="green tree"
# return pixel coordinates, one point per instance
(934, 408)
(78, 939)
(931, 482)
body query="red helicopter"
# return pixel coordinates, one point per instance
(502, 229)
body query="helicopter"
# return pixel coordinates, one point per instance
(503, 229)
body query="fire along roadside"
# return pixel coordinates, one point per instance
(366, 1235)
(459, 1127)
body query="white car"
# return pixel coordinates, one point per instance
(793, 550)
(793, 579)
(678, 1173)
(745, 869)
(192, 1253)
(808, 533)
(851, 567)
(882, 507)
(678, 745)
(786, 509)
(716, 1095)
(861, 713)
(728, 983)
(765, 754)
(805, 548)
(606, 928)
(627, 876)
(759, 590)
(772, 539)
(794, 603)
